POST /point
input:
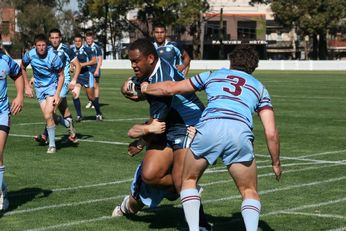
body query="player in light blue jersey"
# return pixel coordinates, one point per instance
(95, 69)
(225, 130)
(166, 151)
(171, 51)
(8, 67)
(68, 58)
(86, 79)
(48, 75)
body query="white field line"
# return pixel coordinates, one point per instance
(84, 121)
(211, 201)
(338, 229)
(310, 155)
(309, 206)
(316, 215)
(63, 205)
(81, 140)
(278, 189)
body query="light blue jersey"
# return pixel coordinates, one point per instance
(8, 67)
(232, 95)
(171, 52)
(45, 69)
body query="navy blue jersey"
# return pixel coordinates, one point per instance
(66, 55)
(84, 54)
(171, 52)
(96, 49)
(183, 109)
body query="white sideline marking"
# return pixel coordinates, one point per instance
(338, 229)
(217, 200)
(81, 140)
(310, 155)
(279, 189)
(315, 215)
(62, 205)
(84, 121)
(72, 223)
(308, 206)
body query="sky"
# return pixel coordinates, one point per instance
(73, 5)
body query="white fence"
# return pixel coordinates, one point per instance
(335, 65)
(263, 65)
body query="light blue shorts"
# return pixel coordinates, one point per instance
(86, 80)
(5, 121)
(150, 196)
(43, 92)
(229, 139)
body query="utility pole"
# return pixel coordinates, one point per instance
(221, 38)
(201, 38)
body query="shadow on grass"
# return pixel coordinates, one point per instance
(25, 195)
(167, 216)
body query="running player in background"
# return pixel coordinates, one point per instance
(8, 67)
(68, 57)
(48, 75)
(86, 79)
(96, 68)
(171, 51)
(225, 130)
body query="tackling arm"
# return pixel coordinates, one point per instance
(167, 88)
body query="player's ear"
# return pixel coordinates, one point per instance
(151, 59)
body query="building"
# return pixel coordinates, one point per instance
(7, 25)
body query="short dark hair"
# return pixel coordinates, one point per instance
(145, 46)
(78, 36)
(244, 58)
(40, 38)
(89, 33)
(159, 25)
(54, 30)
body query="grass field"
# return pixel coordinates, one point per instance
(78, 187)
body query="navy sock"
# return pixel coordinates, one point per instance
(97, 106)
(77, 106)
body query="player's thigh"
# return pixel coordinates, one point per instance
(47, 106)
(193, 169)
(245, 176)
(178, 165)
(156, 163)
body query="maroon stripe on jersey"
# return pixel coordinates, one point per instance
(265, 107)
(253, 90)
(199, 81)
(194, 86)
(251, 207)
(190, 198)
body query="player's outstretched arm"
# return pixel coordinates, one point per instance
(140, 130)
(167, 88)
(272, 138)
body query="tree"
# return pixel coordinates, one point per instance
(315, 18)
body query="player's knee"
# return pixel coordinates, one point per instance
(149, 177)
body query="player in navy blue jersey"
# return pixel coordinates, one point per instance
(48, 76)
(225, 131)
(96, 68)
(86, 79)
(163, 159)
(68, 58)
(171, 51)
(8, 67)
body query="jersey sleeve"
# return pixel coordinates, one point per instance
(265, 101)
(98, 51)
(71, 54)
(199, 81)
(15, 70)
(26, 59)
(57, 63)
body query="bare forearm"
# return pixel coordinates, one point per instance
(273, 143)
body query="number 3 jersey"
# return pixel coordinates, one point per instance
(232, 94)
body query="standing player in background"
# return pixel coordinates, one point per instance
(225, 130)
(48, 74)
(8, 67)
(171, 51)
(68, 57)
(96, 68)
(86, 79)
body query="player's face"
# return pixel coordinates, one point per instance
(159, 35)
(141, 65)
(89, 40)
(55, 39)
(78, 42)
(41, 48)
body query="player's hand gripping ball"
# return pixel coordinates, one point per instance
(134, 88)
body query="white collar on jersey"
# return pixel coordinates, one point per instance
(164, 44)
(155, 69)
(59, 47)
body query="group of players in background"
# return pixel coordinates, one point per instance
(181, 137)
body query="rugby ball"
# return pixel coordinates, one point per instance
(134, 88)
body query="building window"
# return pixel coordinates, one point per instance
(246, 30)
(212, 30)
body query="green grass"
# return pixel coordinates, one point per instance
(78, 187)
